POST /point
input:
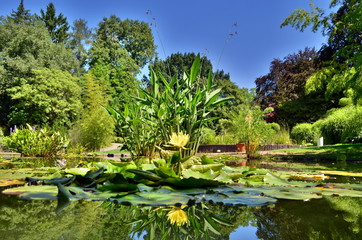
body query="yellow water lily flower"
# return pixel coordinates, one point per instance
(179, 140)
(178, 216)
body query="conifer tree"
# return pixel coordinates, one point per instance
(21, 14)
(56, 25)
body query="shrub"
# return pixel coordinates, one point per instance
(281, 136)
(39, 143)
(207, 136)
(341, 125)
(95, 129)
(303, 133)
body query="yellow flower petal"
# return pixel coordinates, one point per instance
(179, 140)
(177, 216)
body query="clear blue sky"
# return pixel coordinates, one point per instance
(203, 26)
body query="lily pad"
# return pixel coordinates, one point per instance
(342, 173)
(42, 192)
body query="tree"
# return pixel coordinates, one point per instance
(50, 97)
(21, 14)
(56, 25)
(23, 48)
(134, 36)
(344, 47)
(283, 88)
(287, 78)
(95, 129)
(79, 36)
(176, 64)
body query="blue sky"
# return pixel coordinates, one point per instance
(203, 26)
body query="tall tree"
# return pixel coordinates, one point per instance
(177, 63)
(133, 35)
(343, 49)
(23, 48)
(283, 88)
(50, 97)
(95, 127)
(287, 78)
(21, 14)
(56, 25)
(80, 36)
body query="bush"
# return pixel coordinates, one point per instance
(38, 143)
(95, 128)
(303, 133)
(207, 136)
(281, 136)
(341, 125)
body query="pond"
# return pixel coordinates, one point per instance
(330, 217)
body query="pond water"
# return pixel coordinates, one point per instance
(327, 218)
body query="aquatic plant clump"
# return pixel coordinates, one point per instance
(161, 186)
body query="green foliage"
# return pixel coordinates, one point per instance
(119, 79)
(342, 125)
(287, 78)
(24, 47)
(56, 25)
(32, 142)
(342, 53)
(207, 136)
(303, 133)
(21, 14)
(249, 126)
(181, 105)
(50, 97)
(95, 129)
(131, 35)
(80, 36)
(133, 125)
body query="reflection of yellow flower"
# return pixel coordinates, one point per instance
(178, 216)
(179, 140)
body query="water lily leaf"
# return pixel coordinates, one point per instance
(145, 175)
(165, 172)
(342, 173)
(118, 187)
(337, 190)
(192, 182)
(77, 171)
(255, 172)
(10, 182)
(224, 177)
(308, 177)
(235, 169)
(204, 168)
(272, 179)
(210, 174)
(235, 175)
(148, 166)
(42, 192)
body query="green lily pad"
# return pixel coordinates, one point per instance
(210, 174)
(342, 173)
(42, 192)
(192, 182)
(204, 168)
(77, 171)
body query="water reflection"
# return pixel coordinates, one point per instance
(328, 218)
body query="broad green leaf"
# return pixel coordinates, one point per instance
(45, 192)
(204, 168)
